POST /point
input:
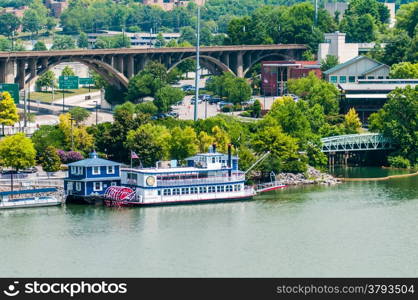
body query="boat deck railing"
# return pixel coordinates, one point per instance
(200, 181)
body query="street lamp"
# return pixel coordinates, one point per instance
(96, 107)
(197, 64)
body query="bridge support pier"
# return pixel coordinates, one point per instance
(21, 66)
(240, 65)
(129, 66)
(7, 71)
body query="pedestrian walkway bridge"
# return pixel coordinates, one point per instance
(356, 142)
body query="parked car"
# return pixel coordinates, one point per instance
(30, 170)
(187, 87)
(193, 100)
(214, 100)
(248, 102)
(205, 97)
(223, 103)
(173, 114)
(160, 116)
(294, 97)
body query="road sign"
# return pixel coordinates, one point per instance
(87, 80)
(68, 82)
(12, 88)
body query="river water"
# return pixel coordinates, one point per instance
(353, 229)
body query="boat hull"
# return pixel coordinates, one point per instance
(31, 205)
(269, 189)
(186, 202)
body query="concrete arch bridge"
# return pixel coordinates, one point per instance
(117, 66)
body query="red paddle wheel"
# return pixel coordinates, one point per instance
(118, 196)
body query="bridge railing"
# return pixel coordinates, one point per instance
(356, 142)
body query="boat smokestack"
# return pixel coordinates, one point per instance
(229, 160)
(214, 148)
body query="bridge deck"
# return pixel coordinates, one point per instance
(90, 52)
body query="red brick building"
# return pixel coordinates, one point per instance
(274, 74)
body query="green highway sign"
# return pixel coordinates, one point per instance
(87, 80)
(12, 88)
(68, 82)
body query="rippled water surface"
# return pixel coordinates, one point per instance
(352, 229)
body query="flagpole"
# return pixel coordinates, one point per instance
(131, 159)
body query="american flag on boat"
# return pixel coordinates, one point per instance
(134, 155)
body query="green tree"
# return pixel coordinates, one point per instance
(79, 114)
(398, 45)
(292, 117)
(256, 109)
(183, 143)
(404, 70)
(398, 120)
(204, 140)
(316, 91)
(282, 147)
(159, 41)
(49, 160)
(235, 90)
(9, 24)
(48, 135)
(46, 80)
(67, 71)
(222, 139)
(39, 46)
(150, 142)
(83, 41)
(329, 62)
(63, 42)
(352, 122)
(17, 152)
(146, 108)
(147, 82)
(407, 18)
(359, 29)
(8, 110)
(188, 34)
(32, 21)
(166, 97)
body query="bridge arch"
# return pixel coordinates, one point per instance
(109, 73)
(206, 61)
(272, 55)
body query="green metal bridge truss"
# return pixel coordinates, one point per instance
(356, 142)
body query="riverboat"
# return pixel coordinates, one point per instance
(20, 199)
(207, 178)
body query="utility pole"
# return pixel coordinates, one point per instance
(197, 79)
(96, 111)
(63, 100)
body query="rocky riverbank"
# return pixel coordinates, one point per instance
(311, 176)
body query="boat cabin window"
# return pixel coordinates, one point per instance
(185, 191)
(193, 190)
(229, 188)
(202, 190)
(78, 186)
(176, 191)
(211, 189)
(167, 192)
(132, 176)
